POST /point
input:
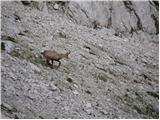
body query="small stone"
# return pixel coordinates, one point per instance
(144, 60)
(75, 86)
(88, 92)
(100, 45)
(89, 111)
(41, 117)
(69, 80)
(16, 116)
(75, 92)
(62, 34)
(103, 112)
(9, 46)
(12, 76)
(17, 48)
(43, 45)
(36, 56)
(88, 105)
(66, 108)
(58, 98)
(53, 87)
(6, 106)
(27, 2)
(56, 7)
(35, 68)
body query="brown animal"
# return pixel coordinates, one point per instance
(54, 56)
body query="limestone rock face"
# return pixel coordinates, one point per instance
(123, 16)
(113, 67)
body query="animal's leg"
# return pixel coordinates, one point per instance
(52, 62)
(59, 63)
(47, 62)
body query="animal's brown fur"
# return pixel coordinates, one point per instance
(54, 56)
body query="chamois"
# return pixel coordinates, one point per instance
(54, 56)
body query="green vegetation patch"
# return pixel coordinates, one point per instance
(9, 38)
(2, 46)
(144, 108)
(27, 55)
(154, 94)
(147, 109)
(70, 80)
(103, 76)
(17, 17)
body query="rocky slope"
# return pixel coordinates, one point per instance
(113, 66)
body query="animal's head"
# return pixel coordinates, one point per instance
(66, 55)
(42, 53)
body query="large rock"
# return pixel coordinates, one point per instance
(123, 16)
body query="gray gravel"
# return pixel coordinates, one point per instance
(113, 68)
